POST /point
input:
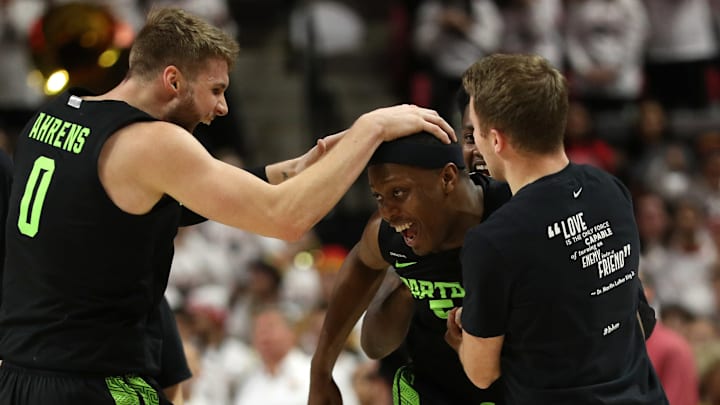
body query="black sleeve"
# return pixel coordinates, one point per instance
(647, 314)
(188, 218)
(173, 367)
(486, 279)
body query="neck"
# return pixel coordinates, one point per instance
(527, 168)
(469, 212)
(139, 94)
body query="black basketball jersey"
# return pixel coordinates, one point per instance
(83, 279)
(5, 183)
(435, 281)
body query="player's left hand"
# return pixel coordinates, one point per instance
(316, 152)
(453, 335)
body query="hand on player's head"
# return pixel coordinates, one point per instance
(407, 119)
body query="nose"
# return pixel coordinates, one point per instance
(388, 211)
(221, 109)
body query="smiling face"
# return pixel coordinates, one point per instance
(474, 162)
(412, 200)
(202, 98)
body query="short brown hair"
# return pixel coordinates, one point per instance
(175, 37)
(522, 95)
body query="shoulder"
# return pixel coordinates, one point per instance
(603, 181)
(480, 237)
(369, 248)
(494, 193)
(147, 144)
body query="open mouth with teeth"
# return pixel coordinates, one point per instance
(479, 165)
(409, 232)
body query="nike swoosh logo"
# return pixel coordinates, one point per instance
(576, 194)
(399, 265)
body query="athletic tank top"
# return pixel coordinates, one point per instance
(83, 279)
(435, 281)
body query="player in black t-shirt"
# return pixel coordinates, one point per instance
(426, 202)
(98, 190)
(551, 277)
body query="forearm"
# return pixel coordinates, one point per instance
(276, 173)
(480, 358)
(355, 287)
(305, 199)
(388, 317)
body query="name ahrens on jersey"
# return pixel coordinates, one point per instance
(61, 134)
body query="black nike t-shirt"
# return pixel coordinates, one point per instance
(555, 270)
(435, 281)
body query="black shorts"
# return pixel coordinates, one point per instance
(407, 390)
(23, 386)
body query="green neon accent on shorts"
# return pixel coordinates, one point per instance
(128, 391)
(399, 265)
(487, 403)
(43, 166)
(403, 391)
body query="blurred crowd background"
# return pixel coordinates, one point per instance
(645, 106)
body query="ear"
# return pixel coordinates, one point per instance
(172, 79)
(449, 176)
(499, 140)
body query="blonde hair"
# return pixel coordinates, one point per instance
(175, 37)
(522, 95)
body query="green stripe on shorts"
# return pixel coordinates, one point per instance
(403, 391)
(131, 390)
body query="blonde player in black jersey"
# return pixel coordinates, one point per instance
(98, 191)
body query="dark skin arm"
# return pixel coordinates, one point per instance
(358, 279)
(388, 317)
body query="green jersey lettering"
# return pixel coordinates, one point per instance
(34, 196)
(84, 132)
(42, 134)
(53, 130)
(429, 290)
(34, 132)
(61, 134)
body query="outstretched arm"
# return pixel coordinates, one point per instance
(388, 317)
(278, 172)
(144, 161)
(358, 279)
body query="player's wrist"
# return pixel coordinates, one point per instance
(320, 368)
(369, 129)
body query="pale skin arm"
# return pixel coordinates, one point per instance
(281, 171)
(358, 280)
(480, 357)
(144, 161)
(388, 317)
